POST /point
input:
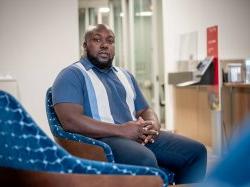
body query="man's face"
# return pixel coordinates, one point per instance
(100, 47)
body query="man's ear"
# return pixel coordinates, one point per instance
(84, 45)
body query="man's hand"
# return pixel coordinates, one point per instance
(149, 117)
(149, 126)
(137, 130)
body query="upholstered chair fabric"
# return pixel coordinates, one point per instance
(58, 131)
(23, 145)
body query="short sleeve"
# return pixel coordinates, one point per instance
(68, 87)
(140, 101)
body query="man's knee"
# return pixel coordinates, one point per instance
(201, 151)
(200, 158)
(139, 155)
(147, 159)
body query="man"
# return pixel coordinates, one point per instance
(94, 98)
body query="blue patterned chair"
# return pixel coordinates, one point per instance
(73, 142)
(25, 147)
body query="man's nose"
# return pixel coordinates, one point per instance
(104, 44)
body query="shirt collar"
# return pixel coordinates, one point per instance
(88, 65)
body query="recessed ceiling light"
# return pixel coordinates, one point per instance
(143, 13)
(104, 9)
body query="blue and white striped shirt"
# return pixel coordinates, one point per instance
(107, 95)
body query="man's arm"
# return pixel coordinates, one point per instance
(72, 119)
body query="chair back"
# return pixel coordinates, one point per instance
(24, 145)
(54, 123)
(76, 144)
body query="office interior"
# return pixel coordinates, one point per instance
(153, 38)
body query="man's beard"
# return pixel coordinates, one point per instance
(99, 64)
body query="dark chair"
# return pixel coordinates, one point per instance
(28, 157)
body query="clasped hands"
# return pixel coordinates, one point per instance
(149, 131)
(142, 131)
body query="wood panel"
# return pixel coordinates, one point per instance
(82, 150)
(241, 104)
(192, 115)
(24, 178)
(235, 108)
(185, 113)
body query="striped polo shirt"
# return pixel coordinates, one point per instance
(110, 95)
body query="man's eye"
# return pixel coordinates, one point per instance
(97, 40)
(111, 41)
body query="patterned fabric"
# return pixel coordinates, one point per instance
(58, 131)
(23, 145)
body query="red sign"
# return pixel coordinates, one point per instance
(212, 50)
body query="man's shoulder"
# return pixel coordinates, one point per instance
(70, 69)
(69, 72)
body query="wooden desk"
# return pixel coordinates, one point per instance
(192, 115)
(235, 108)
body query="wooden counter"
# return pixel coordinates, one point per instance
(235, 107)
(192, 114)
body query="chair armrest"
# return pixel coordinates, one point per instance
(58, 132)
(51, 179)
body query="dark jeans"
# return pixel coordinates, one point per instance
(185, 157)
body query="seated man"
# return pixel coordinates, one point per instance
(94, 98)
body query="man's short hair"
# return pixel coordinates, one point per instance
(91, 28)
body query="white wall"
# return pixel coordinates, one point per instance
(185, 16)
(37, 39)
